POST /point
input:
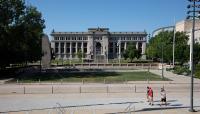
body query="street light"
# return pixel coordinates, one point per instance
(193, 11)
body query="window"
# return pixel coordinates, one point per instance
(73, 47)
(110, 47)
(56, 47)
(84, 38)
(79, 38)
(68, 48)
(85, 47)
(62, 47)
(67, 38)
(122, 47)
(61, 38)
(79, 47)
(73, 38)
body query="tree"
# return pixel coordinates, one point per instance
(196, 53)
(21, 28)
(80, 54)
(131, 52)
(10, 12)
(33, 25)
(165, 39)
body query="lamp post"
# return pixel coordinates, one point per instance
(193, 16)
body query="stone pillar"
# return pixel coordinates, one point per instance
(137, 45)
(46, 57)
(105, 47)
(59, 50)
(119, 49)
(125, 45)
(76, 49)
(143, 47)
(143, 50)
(70, 52)
(90, 47)
(82, 50)
(65, 56)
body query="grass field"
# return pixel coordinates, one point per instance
(108, 77)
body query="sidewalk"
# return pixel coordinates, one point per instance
(100, 103)
(174, 77)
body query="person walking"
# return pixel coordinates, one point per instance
(163, 97)
(148, 94)
(151, 96)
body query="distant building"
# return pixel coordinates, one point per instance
(98, 44)
(182, 26)
(157, 31)
(186, 26)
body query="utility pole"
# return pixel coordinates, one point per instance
(193, 11)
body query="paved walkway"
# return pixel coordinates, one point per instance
(105, 103)
(100, 103)
(174, 77)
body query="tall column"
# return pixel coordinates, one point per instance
(119, 50)
(90, 46)
(105, 48)
(137, 45)
(70, 52)
(82, 50)
(65, 56)
(76, 49)
(143, 47)
(125, 45)
(59, 50)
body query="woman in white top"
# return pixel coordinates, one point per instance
(163, 96)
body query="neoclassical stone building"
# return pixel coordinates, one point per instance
(98, 44)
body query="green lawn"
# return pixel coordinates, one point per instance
(109, 77)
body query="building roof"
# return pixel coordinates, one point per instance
(98, 31)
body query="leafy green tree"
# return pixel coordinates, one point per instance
(165, 40)
(80, 54)
(10, 12)
(33, 25)
(21, 28)
(131, 52)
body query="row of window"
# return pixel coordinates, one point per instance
(128, 38)
(99, 38)
(73, 46)
(70, 38)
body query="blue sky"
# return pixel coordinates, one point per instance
(117, 15)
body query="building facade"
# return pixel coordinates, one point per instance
(182, 26)
(98, 44)
(186, 26)
(157, 31)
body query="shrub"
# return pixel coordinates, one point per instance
(181, 70)
(197, 71)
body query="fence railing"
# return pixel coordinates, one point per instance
(104, 88)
